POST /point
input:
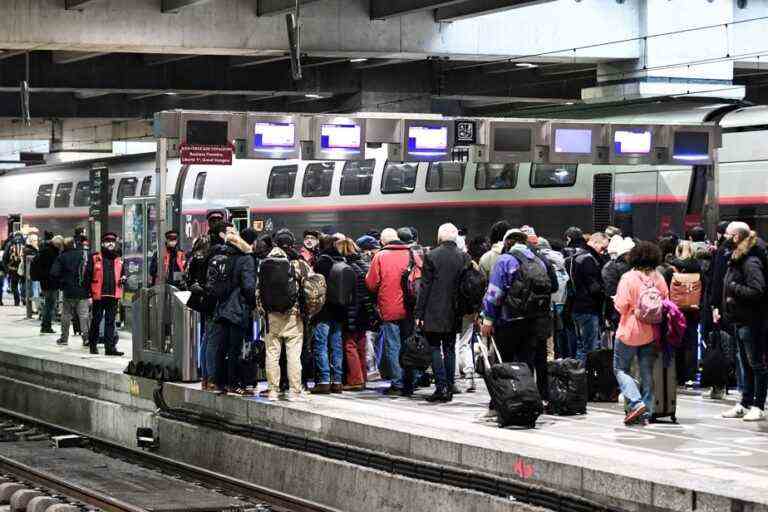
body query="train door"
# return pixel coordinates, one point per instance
(240, 217)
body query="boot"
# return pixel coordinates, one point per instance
(321, 389)
(439, 395)
(93, 348)
(336, 388)
(112, 351)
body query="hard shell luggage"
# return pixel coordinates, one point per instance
(567, 387)
(512, 388)
(665, 388)
(601, 381)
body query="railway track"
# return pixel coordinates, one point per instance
(17, 475)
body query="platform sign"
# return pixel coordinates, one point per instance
(206, 141)
(199, 154)
(512, 142)
(466, 132)
(427, 141)
(99, 188)
(571, 143)
(336, 138)
(272, 137)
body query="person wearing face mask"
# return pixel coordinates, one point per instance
(174, 261)
(586, 280)
(106, 275)
(309, 249)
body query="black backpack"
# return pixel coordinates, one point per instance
(471, 290)
(567, 381)
(36, 270)
(342, 282)
(218, 277)
(278, 285)
(530, 295)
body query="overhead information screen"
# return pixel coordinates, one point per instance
(512, 139)
(268, 135)
(427, 139)
(691, 145)
(207, 133)
(573, 140)
(340, 136)
(632, 141)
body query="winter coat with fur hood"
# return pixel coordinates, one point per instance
(744, 288)
(237, 307)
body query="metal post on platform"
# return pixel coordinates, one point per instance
(162, 174)
(712, 217)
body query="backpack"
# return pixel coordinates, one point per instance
(14, 258)
(471, 290)
(341, 283)
(685, 291)
(410, 281)
(530, 294)
(36, 270)
(218, 277)
(313, 294)
(279, 287)
(649, 308)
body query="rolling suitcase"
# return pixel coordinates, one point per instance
(567, 387)
(665, 388)
(601, 381)
(512, 388)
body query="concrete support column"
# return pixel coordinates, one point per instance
(679, 58)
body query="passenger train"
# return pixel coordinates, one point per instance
(354, 197)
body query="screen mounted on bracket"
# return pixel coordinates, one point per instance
(427, 139)
(509, 139)
(207, 133)
(632, 141)
(274, 135)
(691, 146)
(573, 141)
(340, 136)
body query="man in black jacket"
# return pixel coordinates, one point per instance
(42, 265)
(69, 271)
(745, 308)
(585, 270)
(436, 307)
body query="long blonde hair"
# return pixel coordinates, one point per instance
(684, 250)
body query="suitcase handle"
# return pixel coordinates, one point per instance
(484, 351)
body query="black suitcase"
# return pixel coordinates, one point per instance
(567, 387)
(601, 381)
(513, 390)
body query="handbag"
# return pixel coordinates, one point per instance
(416, 352)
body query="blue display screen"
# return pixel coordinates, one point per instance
(691, 145)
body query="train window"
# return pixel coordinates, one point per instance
(357, 177)
(553, 175)
(496, 176)
(111, 184)
(82, 193)
(445, 176)
(199, 190)
(281, 181)
(63, 194)
(399, 178)
(44, 196)
(127, 188)
(317, 179)
(146, 184)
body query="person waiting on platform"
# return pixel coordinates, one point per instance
(173, 261)
(69, 272)
(40, 271)
(106, 274)
(586, 281)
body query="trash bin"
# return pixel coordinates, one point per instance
(186, 334)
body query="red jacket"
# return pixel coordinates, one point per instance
(179, 261)
(97, 280)
(385, 279)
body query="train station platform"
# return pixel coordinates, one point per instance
(704, 463)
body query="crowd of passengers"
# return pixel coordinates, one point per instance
(335, 311)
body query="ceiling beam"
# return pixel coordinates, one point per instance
(159, 60)
(382, 9)
(75, 4)
(472, 8)
(71, 57)
(7, 54)
(324, 63)
(371, 64)
(178, 5)
(86, 95)
(275, 7)
(245, 62)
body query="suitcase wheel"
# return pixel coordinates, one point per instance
(673, 418)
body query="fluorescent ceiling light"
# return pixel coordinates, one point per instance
(360, 59)
(313, 96)
(171, 93)
(526, 65)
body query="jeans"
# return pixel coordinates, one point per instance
(622, 361)
(443, 359)
(202, 363)
(328, 341)
(74, 308)
(391, 351)
(50, 299)
(751, 343)
(587, 334)
(105, 309)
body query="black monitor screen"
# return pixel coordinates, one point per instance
(209, 133)
(691, 145)
(512, 139)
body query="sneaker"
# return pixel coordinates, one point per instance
(715, 394)
(737, 411)
(455, 389)
(298, 396)
(754, 414)
(321, 389)
(635, 414)
(270, 395)
(61, 342)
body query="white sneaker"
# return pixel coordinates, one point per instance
(272, 395)
(754, 414)
(621, 399)
(737, 411)
(298, 396)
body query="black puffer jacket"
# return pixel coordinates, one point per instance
(440, 281)
(43, 263)
(611, 273)
(744, 288)
(330, 312)
(587, 282)
(361, 316)
(237, 308)
(69, 271)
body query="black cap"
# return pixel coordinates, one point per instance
(109, 237)
(405, 235)
(171, 235)
(284, 239)
(311, 232)
(215, 215)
